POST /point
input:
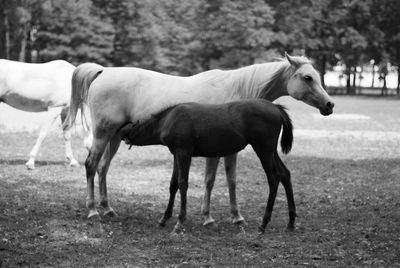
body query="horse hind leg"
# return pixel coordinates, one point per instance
(52, 115)
(91, 164)
(173, 188)
(104, 164)
(211, 171)
(230, 170)
(67, 141)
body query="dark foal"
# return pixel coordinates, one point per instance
(193, 129)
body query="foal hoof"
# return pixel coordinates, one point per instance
(178, 229)
(261, 230)
(290, 228)
(162, 222)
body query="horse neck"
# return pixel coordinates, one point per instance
(266, 81)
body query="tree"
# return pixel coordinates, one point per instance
(72, 30)
(233, 33)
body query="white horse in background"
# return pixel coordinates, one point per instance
(36, 88)
(119, 95)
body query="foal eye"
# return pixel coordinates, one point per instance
(308, 78)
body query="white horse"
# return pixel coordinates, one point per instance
(116, 96)
(37, 88)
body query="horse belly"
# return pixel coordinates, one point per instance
(25, 104)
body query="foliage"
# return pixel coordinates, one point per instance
(188, 36)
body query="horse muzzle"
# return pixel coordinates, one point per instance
(327, 109)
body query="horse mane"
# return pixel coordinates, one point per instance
(259, 80)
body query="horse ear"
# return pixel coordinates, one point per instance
(292, 61)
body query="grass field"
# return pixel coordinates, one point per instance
(345, 172)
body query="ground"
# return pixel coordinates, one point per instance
(345, 172)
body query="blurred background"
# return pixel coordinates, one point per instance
(354, 43)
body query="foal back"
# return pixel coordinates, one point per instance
(223, 129)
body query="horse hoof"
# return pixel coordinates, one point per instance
(240, 221)
(210, 224)
(30, 166)
(75, 164)
(93, 214)
(261, 230)
(110, 213)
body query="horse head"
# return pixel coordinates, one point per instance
(305, 85)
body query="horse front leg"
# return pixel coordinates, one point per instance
(67, 141)
(230, 170)
(211, 171)
(51, 117)
(104, 164)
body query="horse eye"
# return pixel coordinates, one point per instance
(308, 78)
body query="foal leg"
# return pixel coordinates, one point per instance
(287, 184)
(211, 171)
(183, 163)
(230, 170)
(104, 164)
(51, 117)
(173, 188)
(267, 162)
(67, 141)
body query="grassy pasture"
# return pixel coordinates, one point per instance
(345, 172)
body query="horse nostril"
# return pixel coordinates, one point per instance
(330, 105)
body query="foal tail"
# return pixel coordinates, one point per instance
(287, 130)
(82, 77)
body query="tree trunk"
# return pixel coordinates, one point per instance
(24, 42)
(373, 76)
(398, 81)
(348, 79)
(7, 42)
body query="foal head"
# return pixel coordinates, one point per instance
(305, 85)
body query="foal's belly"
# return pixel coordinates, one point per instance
(218, 146)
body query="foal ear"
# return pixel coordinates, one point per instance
(292, 61)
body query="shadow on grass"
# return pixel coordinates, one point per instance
(16, 162)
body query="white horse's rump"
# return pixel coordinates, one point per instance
(116, 96)
(36, 88)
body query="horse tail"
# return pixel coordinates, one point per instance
(82, 78)
(287, 130)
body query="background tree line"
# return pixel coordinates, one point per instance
(188, 36)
